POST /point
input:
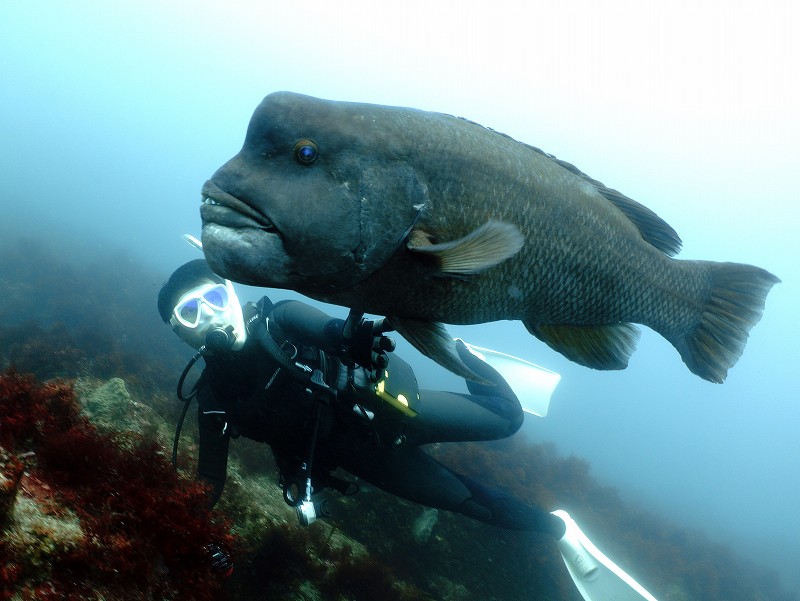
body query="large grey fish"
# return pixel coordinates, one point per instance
(428, 218)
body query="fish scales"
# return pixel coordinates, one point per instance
(430, 219)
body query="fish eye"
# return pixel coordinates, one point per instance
(305, 152)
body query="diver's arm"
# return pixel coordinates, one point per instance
(212, 464)
(310, 326)
(303, 324)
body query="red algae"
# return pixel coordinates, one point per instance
(107, 514)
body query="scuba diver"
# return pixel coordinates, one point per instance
(326, 393)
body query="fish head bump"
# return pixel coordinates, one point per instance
(318, 198)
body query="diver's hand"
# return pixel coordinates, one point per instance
(368, 345)
(220, 558)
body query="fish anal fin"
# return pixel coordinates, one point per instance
(433, 340)
(484, 247)
(597, 346)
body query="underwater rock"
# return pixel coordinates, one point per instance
(37, 536)
(111, 407)
(10, 476)
(36, 532)
(449, 590)
(110, 403)
(423, 525)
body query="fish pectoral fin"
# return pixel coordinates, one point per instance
(433, 340)
(484, 247)
(599, 347)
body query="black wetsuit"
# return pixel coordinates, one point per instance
(249, 393)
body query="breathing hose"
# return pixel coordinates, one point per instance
(187, 399)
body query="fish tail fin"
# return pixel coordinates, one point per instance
(715, 343)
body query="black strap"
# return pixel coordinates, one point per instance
(187, 399)
(258, 326)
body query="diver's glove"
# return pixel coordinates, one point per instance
(367, 346)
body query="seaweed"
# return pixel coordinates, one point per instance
(140, 526)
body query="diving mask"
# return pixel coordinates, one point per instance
(210, 316)
(188, 311)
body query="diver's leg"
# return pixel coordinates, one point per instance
(504, 511)
(453, 417)
(412, 474)
(491, 411)
(409, 473)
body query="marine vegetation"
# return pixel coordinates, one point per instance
(91, 515)
(90, 507)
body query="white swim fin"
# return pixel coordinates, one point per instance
(532, 384)
(192, 241)
(595, 575)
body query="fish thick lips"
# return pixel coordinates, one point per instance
(224, 209)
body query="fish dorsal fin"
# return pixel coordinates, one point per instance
(653, 229)
(599, 347)
(433, 340)
(484, 247)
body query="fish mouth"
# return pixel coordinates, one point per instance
(229, 211)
